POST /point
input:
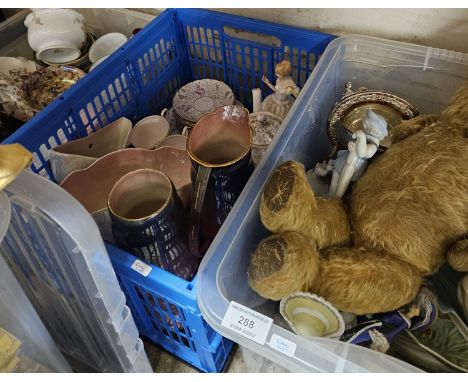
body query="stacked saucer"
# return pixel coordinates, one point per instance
(198, 98)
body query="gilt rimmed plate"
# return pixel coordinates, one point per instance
(201, 97)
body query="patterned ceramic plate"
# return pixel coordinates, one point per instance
(201, 97)
(45, 85)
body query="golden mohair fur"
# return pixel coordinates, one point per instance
(412, 201)
(457, 256)
(289, 204)
(283, 264)
(405, 214)
(360, 280)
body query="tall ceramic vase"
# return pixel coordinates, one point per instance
(148, 220)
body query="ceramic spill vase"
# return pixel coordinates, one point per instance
(220, 148)
(148, 220)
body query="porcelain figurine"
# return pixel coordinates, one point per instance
(351, 164)
(285, 91)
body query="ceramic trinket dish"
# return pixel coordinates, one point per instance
(198, 98)
(348, 114)
(56, 35)
(92, 185)
(311, 315)
(264, 126)
(45, 85)
(81, 153)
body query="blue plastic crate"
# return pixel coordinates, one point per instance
(139, 80)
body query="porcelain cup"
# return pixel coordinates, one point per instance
(106, 45)
(56, 35)
(149, 132)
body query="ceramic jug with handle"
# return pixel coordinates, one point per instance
(220, 149)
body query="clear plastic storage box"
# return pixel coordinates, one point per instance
(56, 253)
(428, 78)
(25, 343)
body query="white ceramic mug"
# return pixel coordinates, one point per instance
(106, 45)
(149, 132)
(56, 35)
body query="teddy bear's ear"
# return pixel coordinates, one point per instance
(456, 113)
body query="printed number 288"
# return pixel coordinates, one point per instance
(246, 322)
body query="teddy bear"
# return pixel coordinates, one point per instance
(404, 218)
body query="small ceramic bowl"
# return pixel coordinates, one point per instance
(106, 45)
(56, 35)
(45, 85)
(149, 132)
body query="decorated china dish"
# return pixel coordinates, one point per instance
(45, 85)
(200, 97)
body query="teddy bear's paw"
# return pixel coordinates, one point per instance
(283, 264)
(288, 202)
(457, 256)
(281, 185)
